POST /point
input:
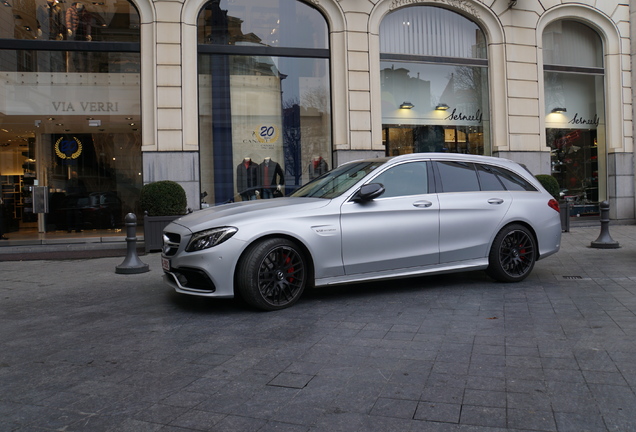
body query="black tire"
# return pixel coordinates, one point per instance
(272, 274)
(512, 254)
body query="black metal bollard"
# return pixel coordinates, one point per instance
(131, 264)
(605, 240)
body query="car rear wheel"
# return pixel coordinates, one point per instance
(512, 254)
(272, 274)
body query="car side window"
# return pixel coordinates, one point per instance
(404, 179)
(458, 177)
(512, 181)
(488, 180)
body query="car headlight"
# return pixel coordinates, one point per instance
(210, 238)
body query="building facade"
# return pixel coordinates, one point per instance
(244, 99)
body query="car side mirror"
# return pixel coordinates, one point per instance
(368, 192)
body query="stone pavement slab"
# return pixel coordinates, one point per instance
(85, 349)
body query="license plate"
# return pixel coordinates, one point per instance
(165, 263)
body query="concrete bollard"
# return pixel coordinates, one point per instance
(131, 264)
(605, 240)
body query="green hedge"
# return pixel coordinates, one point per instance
(550, 184)
(163, 198)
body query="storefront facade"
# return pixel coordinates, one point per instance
(240, 100)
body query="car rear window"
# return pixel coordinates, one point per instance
(512, 181)
(488, 180)
(458, 177)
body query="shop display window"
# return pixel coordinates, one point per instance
(264, 107)
(434, 78)
(574, 114)
(70, 113)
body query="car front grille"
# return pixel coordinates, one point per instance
(170, 243)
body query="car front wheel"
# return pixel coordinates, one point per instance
(512, 254)
(272, 274)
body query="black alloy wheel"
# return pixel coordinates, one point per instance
(512, 255)
(272, 275)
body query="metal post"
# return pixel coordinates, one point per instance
(605, 240)
(131, 264)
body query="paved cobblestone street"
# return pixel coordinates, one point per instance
(85, 349)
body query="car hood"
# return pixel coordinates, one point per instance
(245, 211)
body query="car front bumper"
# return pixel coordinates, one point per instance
(208, 273)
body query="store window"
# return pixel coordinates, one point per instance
(264, 98)
(69, 114)
(434, 78)
(574, 110)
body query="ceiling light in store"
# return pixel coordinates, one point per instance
(132, 124)
(95, 123)
(51, 118)
(59, 124)
(6, 3)
(4, 130)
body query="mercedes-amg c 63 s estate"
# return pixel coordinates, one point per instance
(367, 220)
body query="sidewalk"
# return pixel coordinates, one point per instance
(85, 349)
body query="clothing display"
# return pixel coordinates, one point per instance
(50, 22)
(317, 167)
(271, 178)
(78, 22)
(247, 179)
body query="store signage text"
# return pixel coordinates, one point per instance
(86, 106)
(478, 116)
(581, 121)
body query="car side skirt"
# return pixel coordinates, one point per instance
(469, 265)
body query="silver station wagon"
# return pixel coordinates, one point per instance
(367, 220)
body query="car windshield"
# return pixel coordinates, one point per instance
(334, 183)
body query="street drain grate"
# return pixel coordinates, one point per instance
(572, 277)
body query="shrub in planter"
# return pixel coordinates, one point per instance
(163, 198)
(550, 184)
(162, 201)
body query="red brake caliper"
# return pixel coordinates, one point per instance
(289, 270)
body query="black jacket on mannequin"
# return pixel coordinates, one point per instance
(271, 174)
(247, 178)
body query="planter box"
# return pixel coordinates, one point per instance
(153, 231)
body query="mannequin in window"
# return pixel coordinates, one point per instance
(317, 167)
(75, 191)
(272, 178)
(78, 23)
(50, 21)
(247, 179)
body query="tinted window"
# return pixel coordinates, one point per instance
(488, 179)
(405, 179)
(512, 181)
(458, 177)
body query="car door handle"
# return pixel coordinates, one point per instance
(422, 204)
(496, 201)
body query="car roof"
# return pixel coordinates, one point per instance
(444, 156)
